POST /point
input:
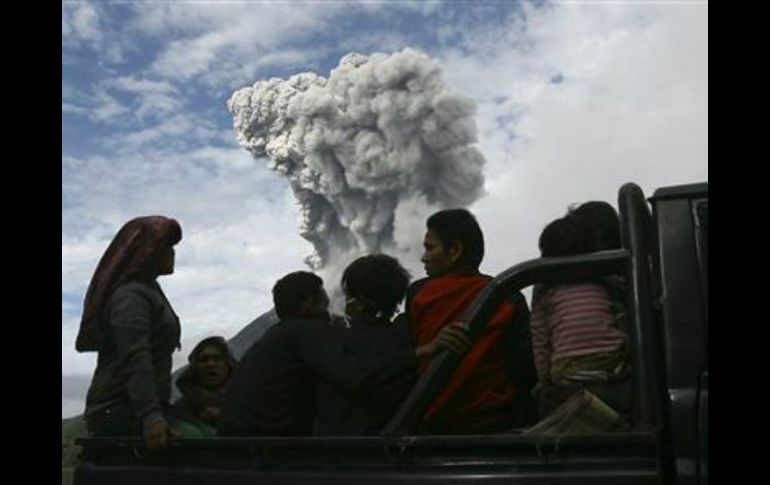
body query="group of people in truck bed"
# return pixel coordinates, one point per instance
(313, 373)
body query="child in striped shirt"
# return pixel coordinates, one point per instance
(576, 340)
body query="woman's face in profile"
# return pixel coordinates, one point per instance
(165, 260)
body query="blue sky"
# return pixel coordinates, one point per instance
(573, 100)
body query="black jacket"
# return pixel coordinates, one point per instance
(272, 391)
(368, 411)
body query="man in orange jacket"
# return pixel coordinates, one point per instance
(490, 389)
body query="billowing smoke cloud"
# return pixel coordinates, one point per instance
(381, 141)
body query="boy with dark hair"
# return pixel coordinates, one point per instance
(300, 294)
(458, 232)
(490, 390)
(374, 285)
(272, 391)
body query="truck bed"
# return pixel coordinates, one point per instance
(621, 458)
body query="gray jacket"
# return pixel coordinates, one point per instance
(134, 363)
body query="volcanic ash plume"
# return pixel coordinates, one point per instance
(382, 136)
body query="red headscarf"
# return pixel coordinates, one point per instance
(126, 258)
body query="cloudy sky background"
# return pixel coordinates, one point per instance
(574, 99)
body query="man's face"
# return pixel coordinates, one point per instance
(436, 258)
(316, 306)
(211, 368)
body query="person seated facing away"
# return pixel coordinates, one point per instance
(373, 285)
(605, 225)
(272, 393)
(576, 342)
(202, 386)
(490, 390)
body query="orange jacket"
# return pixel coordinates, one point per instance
(479, 395)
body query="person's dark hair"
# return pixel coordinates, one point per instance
(291, 291)
(567, 236)
(455, 225)
(215, 341)
(378, 281)
(604, 220)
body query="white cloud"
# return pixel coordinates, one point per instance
(68, 108)
(154, 97)
(80, 23)
(375, 41)
(225, 158)
(160, 19)
(209, 185)
(84, 24)
(632, 106)
(185, 58)
(216, 43)
(97, 105)
(289, 56)
(108, 109)
(74, 100)
(141, 98)
(79, 258)
(182, 129)
(73, 362)
(118, 99)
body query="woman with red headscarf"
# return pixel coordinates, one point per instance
(130, 323)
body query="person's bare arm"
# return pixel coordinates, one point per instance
(453, 337)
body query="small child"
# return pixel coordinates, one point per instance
(575, 336)
(605, 223)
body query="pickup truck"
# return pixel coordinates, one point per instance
(665, 262)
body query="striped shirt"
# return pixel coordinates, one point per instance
(572, 320)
